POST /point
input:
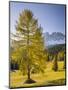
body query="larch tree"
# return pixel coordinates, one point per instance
(30, 48)
(55, 63)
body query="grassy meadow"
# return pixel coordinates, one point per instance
(50, 77)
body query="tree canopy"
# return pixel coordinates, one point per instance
(30, 51)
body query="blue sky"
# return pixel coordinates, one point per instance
(50, 17)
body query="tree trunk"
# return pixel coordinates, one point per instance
(28, 67)
(28, 72)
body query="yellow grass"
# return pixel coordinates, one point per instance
(17, 79)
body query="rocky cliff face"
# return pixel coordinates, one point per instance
(54, 38)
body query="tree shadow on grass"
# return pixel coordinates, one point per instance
(61, 70)
(29, 81)
(57, 82)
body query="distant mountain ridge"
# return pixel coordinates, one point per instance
(54, 38)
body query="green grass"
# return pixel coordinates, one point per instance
(48, 78)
